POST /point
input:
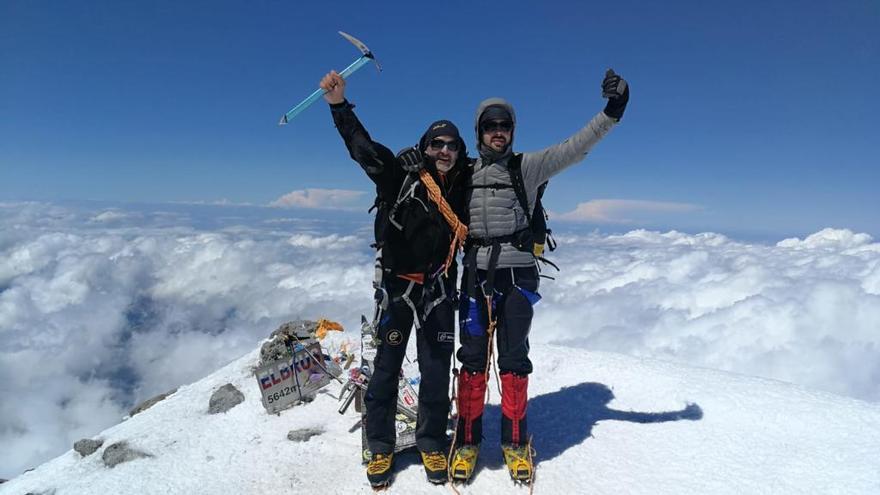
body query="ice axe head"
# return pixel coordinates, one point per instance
(362, 47)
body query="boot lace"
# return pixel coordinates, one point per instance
(379, 464)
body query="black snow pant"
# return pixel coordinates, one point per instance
(515, 292)
(435, 341)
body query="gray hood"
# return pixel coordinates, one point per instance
(488, 155)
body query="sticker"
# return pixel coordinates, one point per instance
(394, 337)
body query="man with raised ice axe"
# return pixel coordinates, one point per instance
(418, 232)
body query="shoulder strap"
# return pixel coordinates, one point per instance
(407, 189)
(514, 168)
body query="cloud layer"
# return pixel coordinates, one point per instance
(101, 308)
(803, 311)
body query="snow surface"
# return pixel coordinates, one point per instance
(602, 423)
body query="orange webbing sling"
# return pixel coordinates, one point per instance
(459, 230)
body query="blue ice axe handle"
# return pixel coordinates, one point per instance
(357, 64)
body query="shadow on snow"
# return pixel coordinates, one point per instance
(565, 418)
(559, 421)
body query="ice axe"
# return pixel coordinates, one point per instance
(357, 64)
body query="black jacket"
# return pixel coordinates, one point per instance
(421, 246)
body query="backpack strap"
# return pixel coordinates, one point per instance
(407, 190)
(514, 168)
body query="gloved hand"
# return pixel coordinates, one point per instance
(616, 90)
(411, 159)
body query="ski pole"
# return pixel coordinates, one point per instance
(354, 66)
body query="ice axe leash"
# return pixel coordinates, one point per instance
(366, 58)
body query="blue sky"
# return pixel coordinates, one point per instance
(758, 115)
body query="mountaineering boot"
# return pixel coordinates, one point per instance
(464, 462)
(435, 467)
(519, 462)
(379, 470)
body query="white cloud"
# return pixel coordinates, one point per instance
(332, 241)
(617, 211)
(801, 311)
(831, 239)
(97, 319)
(325, 199)
(111, 216)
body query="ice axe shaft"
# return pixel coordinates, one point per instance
(366, 58)
(287, 117)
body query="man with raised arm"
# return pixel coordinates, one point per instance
(500, 279)
(420, 201)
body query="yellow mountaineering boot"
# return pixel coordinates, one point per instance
(379, 470)
(519, 462)
(463, 462)
(435, 467)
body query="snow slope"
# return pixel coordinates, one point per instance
(602, 423)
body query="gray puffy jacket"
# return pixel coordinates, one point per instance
(497, 212)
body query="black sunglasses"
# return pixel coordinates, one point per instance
(497, 125)
(438, 144)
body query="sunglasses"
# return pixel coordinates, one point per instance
(497, 125)
(438, 144)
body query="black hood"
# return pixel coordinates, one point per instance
(443, 128)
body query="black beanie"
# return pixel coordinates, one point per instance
(442, 128)
(494, 112)
(439, 128)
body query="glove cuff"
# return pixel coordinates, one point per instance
(616, 106)
(614, 110)
(339, 107)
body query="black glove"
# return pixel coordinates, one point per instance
(616, 90)
(411, 159)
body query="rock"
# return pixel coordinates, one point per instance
(301, 329)
(87, 447)
(120, 452)
(143, 406)
(224, 399)
(303, 434)
(276, 347)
